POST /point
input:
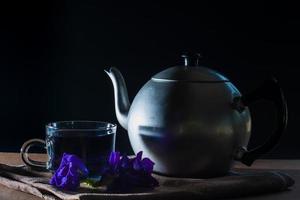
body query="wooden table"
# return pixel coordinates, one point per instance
(291, 167)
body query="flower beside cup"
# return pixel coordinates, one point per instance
(120, 174)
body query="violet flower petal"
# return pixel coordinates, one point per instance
(114, 158)
(76, 162)
(62, 171)
(139, 156)
(137, 165)
(147, 165)
(125, 162)
(67, 176)
(114, 162)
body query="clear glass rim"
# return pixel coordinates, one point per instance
(100, 125)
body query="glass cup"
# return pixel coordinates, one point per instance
(92, 141)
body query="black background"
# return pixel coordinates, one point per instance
(52, 57)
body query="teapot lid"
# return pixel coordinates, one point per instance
(189, 73)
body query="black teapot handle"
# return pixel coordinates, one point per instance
(271, 91)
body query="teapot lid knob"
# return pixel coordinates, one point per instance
(198, 57)
(187, 60)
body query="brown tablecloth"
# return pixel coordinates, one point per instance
(242, 184)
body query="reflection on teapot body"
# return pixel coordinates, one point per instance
(192, 121)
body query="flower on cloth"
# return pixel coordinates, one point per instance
(121, 173)
(131, 172)
(114, 161)
(69, 173)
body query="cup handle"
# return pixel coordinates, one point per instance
(24, 153)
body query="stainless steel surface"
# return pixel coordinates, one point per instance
(189, 74)
(187, 128)
(185, 132)
(122, 104)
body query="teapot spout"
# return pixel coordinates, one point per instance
(122, 104)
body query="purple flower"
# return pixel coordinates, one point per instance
(125, 164)
(114, 161)
(130, 172)
(68, 175)
(144, 165)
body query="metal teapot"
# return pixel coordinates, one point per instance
(192, 121)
